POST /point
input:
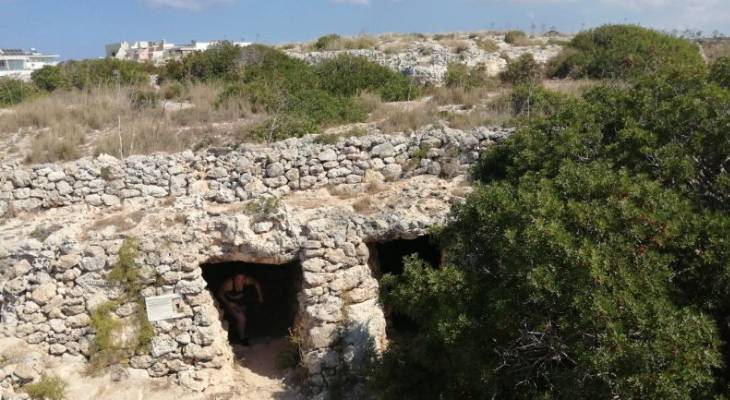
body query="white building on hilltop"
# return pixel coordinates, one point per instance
(159, 52)
(20, 64)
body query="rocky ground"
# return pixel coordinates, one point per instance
(427, 57)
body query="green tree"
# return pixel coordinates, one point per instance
(220, 62)
(620, 51)
(591, 261)
(524, 70)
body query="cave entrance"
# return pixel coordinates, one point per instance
(269, 320)
(387, 258)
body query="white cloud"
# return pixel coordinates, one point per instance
(193, 5)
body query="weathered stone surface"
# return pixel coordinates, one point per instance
(44, 293)
(161, 346)
(243, 205)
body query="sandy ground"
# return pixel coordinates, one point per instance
(256, 377)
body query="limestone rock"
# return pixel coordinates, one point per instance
(44, 293)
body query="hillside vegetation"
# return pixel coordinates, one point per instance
(620, 51)
(593, 258)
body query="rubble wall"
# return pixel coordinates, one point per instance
(49, 286)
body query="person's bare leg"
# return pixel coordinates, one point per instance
(241, 326)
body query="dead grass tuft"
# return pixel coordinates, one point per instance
(364, 205)
(397, 118)
(457, 46)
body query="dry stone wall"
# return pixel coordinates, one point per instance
(228, 176)
(50, 284)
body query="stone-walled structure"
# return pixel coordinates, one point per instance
(316, 204)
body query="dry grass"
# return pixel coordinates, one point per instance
(457, 46)
(121, 222)
(394, 47)
(66, 125)
(93, 109)
(364, 206)
(715, 48)
(392, 118)
(462, 96)
(571, 87)
(487, 44)
(497, 111)
(369, 101)
(348, 43)
(58, 143)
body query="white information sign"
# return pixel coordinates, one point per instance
(160, 308)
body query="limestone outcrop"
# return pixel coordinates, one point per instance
(428, 60)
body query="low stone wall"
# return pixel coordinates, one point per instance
(242, 174)
(50, 285)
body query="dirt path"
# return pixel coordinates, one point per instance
(256, 377)
(261, 377)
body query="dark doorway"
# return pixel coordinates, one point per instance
(280, 285)
(387, 258)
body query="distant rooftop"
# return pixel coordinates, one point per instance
(13, 52)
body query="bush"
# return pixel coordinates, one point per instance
(173, 91)
(461, 76)
(49, 78)
(533, 100)
(282, 127)
(47, 388)
(524, 70)
(220, 62)
(720, 72)
(347, 75)
(622, 51)
(515, 37)
(13, 92)
(589, 262)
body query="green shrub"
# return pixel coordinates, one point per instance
(13, 92)
(125, 272)
(47, 388)
(262, 208)
(220, 62)
(515, 37)
(173, 91)
(89, 74)
(461, 76)
(620, 51)
(348, 75)
(523, 70)
(49, 78)
(282, 127)
(104, 325)
(720, 72)
(589, 262)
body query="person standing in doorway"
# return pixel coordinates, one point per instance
(237, 294)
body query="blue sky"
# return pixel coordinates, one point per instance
(80, 28)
